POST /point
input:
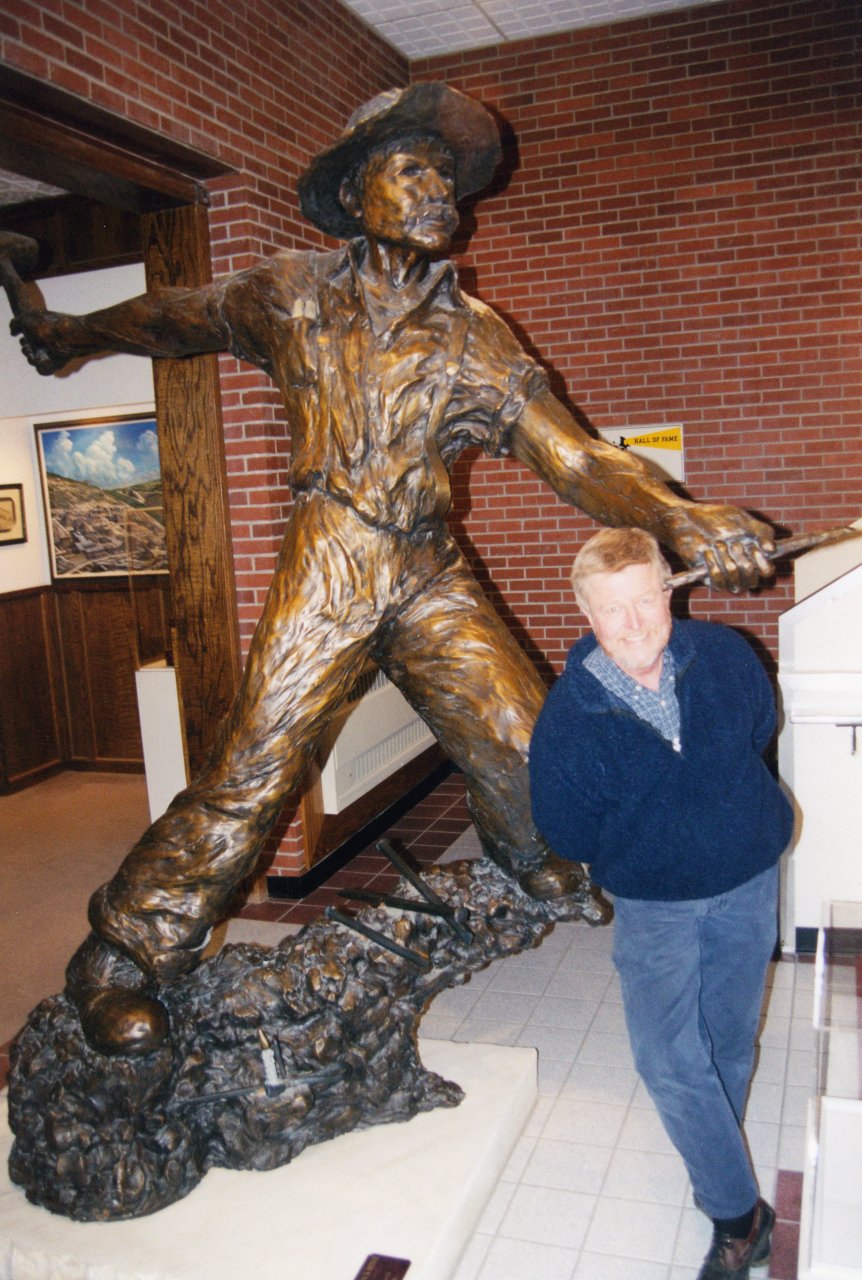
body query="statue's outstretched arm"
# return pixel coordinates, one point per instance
(166, 322)
(614, 487)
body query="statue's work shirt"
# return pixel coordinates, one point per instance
(382, 390)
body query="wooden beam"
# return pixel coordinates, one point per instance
(54, 136)
(191, 444)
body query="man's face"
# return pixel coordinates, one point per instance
(408, 197)
(629, 612)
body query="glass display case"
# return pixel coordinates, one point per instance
(830, 1245)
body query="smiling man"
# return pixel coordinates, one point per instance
(629, 613)
(646, 764)
(387, 372)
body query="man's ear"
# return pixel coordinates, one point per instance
(348, 197)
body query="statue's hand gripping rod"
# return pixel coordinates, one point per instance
(787, 547)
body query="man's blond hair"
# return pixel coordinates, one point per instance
(610, 550)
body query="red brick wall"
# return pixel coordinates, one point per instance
(680, 239)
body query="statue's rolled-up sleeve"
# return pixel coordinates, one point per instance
(497, 380)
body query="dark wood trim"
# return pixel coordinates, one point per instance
(67, 676)
(109, 582)
(59, 682)
(75, 234)
(31, 723)
(22, 593)
(107, 764)
(23, 781)
(194, 476)
(54, 136)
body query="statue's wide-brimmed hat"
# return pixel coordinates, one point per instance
(467, 128)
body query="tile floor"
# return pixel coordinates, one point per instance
(593, 1189)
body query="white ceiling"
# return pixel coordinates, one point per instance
(424, 28)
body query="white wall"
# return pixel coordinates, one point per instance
(27, 398)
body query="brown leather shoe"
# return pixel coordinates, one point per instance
(731, 1257)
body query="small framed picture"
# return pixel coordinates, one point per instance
(103, 497)
(13, 527)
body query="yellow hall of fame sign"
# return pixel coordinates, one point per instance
(660, 447)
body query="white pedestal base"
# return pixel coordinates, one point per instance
(413, 1190)
(162, 735)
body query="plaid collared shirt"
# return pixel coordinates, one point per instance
(659, 707)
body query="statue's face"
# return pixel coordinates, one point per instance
(407, 197)
(629, 612)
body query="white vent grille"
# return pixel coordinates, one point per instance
(376, 733)
(367, 683)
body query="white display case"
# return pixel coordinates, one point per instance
(820, 753)
(830, 1244)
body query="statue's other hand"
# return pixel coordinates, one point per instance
(728, 542)
(41, 339)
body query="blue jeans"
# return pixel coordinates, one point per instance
(692, 977)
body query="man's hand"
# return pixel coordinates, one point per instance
(43, 340)
(730, 544)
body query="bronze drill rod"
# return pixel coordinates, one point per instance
(787, 547)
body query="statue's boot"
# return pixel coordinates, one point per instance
(550, 877)
(554, 877)
(547, 877)
(118, 1014)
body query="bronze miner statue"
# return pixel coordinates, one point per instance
(387, 371)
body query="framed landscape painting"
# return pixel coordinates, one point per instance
(12, 525)
(103, 497)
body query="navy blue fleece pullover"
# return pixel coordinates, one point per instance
(652, 822)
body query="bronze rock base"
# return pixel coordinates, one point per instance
(271, 1050)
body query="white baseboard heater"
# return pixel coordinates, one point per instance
(375, 733)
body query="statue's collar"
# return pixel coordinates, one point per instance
(384, 304)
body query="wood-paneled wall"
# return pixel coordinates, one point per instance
(31, 721)
(67, 675)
